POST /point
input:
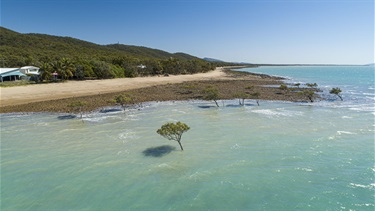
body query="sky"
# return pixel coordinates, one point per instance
(255, 31)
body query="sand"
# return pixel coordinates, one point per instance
(98, 94)
(53, 91)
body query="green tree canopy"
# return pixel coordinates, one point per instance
(256, 96)
(336, 91)
(173, 131)
(122, 100)
(312, 85)
(77, 106)
(211, 93)
(309, 94)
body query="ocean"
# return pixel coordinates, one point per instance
(276, 156)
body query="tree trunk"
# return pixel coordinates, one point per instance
(182, 149)
(216, 103)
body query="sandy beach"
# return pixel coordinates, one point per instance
(53, 91)
(97, 94)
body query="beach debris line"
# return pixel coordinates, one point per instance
(173, 131)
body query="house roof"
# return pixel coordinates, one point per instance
(12, 73)
(19, 71)
(6, 70)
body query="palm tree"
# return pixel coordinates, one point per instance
(46, 69)
(68, 68)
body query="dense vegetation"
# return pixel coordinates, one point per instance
(77, 59)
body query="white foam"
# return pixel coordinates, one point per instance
(370, 186)
(95, 119)
(127, 135)
(304, 169)
(364, 108)
(345, 132)
(277, 112)
(366, 205)
(236, 146)
(199, 175)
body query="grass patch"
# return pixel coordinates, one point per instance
(16, 83)
(26, 83)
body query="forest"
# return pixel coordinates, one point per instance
(72, 58)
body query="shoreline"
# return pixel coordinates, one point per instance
(10, 96)
(228, 82)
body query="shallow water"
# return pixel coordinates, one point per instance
(279, 155)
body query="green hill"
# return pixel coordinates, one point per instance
(16, 47)
(144, 52)
(83, 59)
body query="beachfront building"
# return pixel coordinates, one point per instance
(18, 73)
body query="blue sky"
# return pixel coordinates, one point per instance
(268, 31)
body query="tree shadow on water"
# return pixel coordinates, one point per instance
(69, 116)
(158, 151)
(205, 107)
(110, 110)
(233, 106)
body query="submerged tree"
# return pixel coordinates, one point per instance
(241, 97)
(122, 100)
(314, 85)
(309, 94)
(173, 131)
(212, 94)
(77, 107)
(336, 91)
(256, 96)
(283, 87)
(297, 85)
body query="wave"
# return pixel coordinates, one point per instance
(304, 169)
(370, 94)
(345, 132)
(370, 186)
(127, 135)
(278, 112)
(362, 108)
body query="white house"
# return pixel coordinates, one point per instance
(18, 73)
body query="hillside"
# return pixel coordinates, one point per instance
(75, 58)
(140, 51)
(16, 47)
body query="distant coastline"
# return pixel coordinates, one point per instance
(322, 65)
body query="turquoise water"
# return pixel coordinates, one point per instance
(276, 156)
(356, 82)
